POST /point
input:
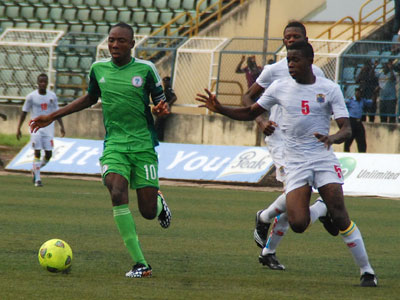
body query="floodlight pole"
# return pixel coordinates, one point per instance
(265, 45)
(259, 135)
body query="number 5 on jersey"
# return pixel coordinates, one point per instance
(305, 108)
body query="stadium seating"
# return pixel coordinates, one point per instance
(75, 54)
(94, 15)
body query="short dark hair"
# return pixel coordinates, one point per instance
(43, 75)
(305, 48)
(296, 24)
(123, 25)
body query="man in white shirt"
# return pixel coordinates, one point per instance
(308, 103)
(40, 102)
(294, 31)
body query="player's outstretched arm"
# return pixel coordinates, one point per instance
(77, 105)
(248, 99)
(339, 137)
(240, 113)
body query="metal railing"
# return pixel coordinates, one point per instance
(330, 29)
(181, 30)
(192, 25)
(358, 27)
(361, 18)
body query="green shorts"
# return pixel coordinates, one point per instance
(139, 168)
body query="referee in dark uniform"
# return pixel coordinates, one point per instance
(356, 106)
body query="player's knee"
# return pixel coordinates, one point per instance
(298, 226)
(341, 220)
(148, 214)
(338, 214)
(117, 197)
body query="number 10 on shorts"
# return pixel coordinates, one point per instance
(151, 172)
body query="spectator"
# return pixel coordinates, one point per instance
(369, 86)
(170, 97)
(387, 93)
(252, 70)
(396, 23)
(355, 106)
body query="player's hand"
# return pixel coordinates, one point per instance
(269, 127)
(62, 131)
(324, 139)
(210, 101)
(40, 122)
(19, 134)
(161, 109)
(4, 117)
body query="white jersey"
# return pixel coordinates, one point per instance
(38, 105)
(269, 74)
(306, 109)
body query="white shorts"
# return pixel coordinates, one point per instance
(279, 162)
(42, 142)
(314, 173)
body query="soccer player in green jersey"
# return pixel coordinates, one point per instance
(124, 84)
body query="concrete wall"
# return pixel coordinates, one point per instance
(381, 138)
(201, 129)
(84, 124)
(250, 20)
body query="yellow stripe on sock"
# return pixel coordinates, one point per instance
(349, 230)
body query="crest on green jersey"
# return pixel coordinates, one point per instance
(137, 81)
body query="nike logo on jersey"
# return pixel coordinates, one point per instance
(102, 80)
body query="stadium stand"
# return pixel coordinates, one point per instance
(24, 54)
(96, 15)
(75, 53)
(162, 28)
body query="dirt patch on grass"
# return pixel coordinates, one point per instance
(6, 155)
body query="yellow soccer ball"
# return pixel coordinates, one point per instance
(55, 255)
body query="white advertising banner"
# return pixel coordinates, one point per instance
(369, 174)
(176, 161)
(365, 174)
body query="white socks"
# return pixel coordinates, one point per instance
(281, 225)
(318, 209)
(354, 241)
(43, 163)
(276, 208)
(36, 168)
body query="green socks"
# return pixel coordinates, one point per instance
(159, 205)
(127, 229)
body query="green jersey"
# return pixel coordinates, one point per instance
(124, 93)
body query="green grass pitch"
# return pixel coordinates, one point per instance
(207, 253)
